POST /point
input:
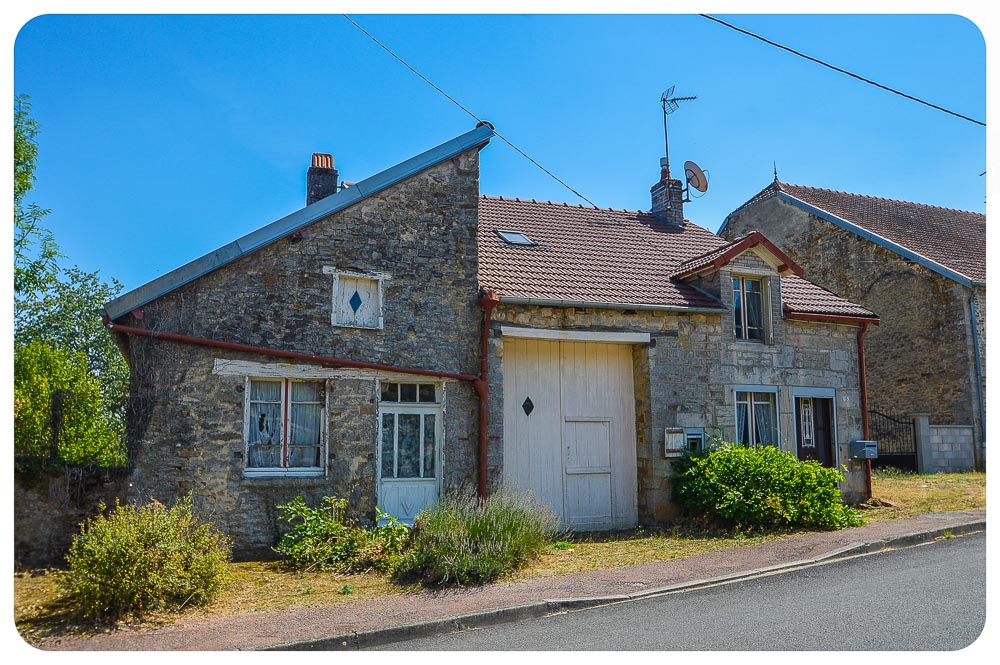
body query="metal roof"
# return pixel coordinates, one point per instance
(295, 221)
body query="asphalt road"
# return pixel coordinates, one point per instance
(931, 597)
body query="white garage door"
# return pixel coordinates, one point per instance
(569, 429)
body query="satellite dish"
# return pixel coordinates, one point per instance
(695, 176)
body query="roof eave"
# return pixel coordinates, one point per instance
(919, 259)
(295, 221)
(555, 302)
(829, 318)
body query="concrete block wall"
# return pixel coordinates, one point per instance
(944, 448)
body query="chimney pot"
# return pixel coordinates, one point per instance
(321, 179)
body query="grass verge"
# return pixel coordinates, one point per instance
(39, 613)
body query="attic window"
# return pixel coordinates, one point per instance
(357, 298)
(514, 237)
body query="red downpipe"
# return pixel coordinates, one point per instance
(863, 380)
(489, 300)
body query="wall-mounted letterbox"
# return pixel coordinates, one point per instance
(864, 449)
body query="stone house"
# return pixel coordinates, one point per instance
(405, 336)
(923, 269)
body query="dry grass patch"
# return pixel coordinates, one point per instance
(629, 548)
(911, 494)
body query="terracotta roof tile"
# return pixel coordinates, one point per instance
(955, 239)
(609, 256)
(803, 297)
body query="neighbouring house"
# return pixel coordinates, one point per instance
(405, 336)
(923, 269)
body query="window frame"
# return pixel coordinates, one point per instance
(421, 408)
(742, 310)
(285, 471)
(772, 392)
(379, 278)
(506, 236)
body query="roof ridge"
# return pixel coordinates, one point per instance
(562, 204)
(881, 198)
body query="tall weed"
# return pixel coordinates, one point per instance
(462, 540)
(322, 538)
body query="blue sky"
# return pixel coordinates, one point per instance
(166, 136)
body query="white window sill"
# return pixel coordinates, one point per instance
(313, 472)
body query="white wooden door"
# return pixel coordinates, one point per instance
(569, 429)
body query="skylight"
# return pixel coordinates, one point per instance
(514, 237)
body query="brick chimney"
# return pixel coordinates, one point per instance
(668, 197)
(321, 179)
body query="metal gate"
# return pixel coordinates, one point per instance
(897, 439)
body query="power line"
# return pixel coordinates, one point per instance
(474, 116)
(842, 71)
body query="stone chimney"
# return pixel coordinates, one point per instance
(668, 197)
(321, 179)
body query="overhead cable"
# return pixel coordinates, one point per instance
(474, 116)
(842, 71)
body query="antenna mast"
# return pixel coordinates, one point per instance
(670, 104)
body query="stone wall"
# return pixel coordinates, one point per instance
(186, 419)
(685, 377)
(50, 505)
(921, 357)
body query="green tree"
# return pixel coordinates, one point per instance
(35, 249)
(71, 381)
(66, 315)
(59, 412)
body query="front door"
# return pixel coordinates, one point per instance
(409, 448)
(814, 420)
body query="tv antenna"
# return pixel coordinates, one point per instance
(670, 104)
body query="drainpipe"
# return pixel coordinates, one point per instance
(489, 300)
(979, 374)
(863, 381)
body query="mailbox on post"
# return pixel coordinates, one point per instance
(864, 449)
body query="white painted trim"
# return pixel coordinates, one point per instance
(225, 367)
(575, 335)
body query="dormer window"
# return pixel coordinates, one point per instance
(748, 308)
(514, 237)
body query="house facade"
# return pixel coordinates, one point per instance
(405, 337)
(923, 269)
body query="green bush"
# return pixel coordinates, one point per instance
(762, 487)
(136, 559)
(462, 540)
(323, 539)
